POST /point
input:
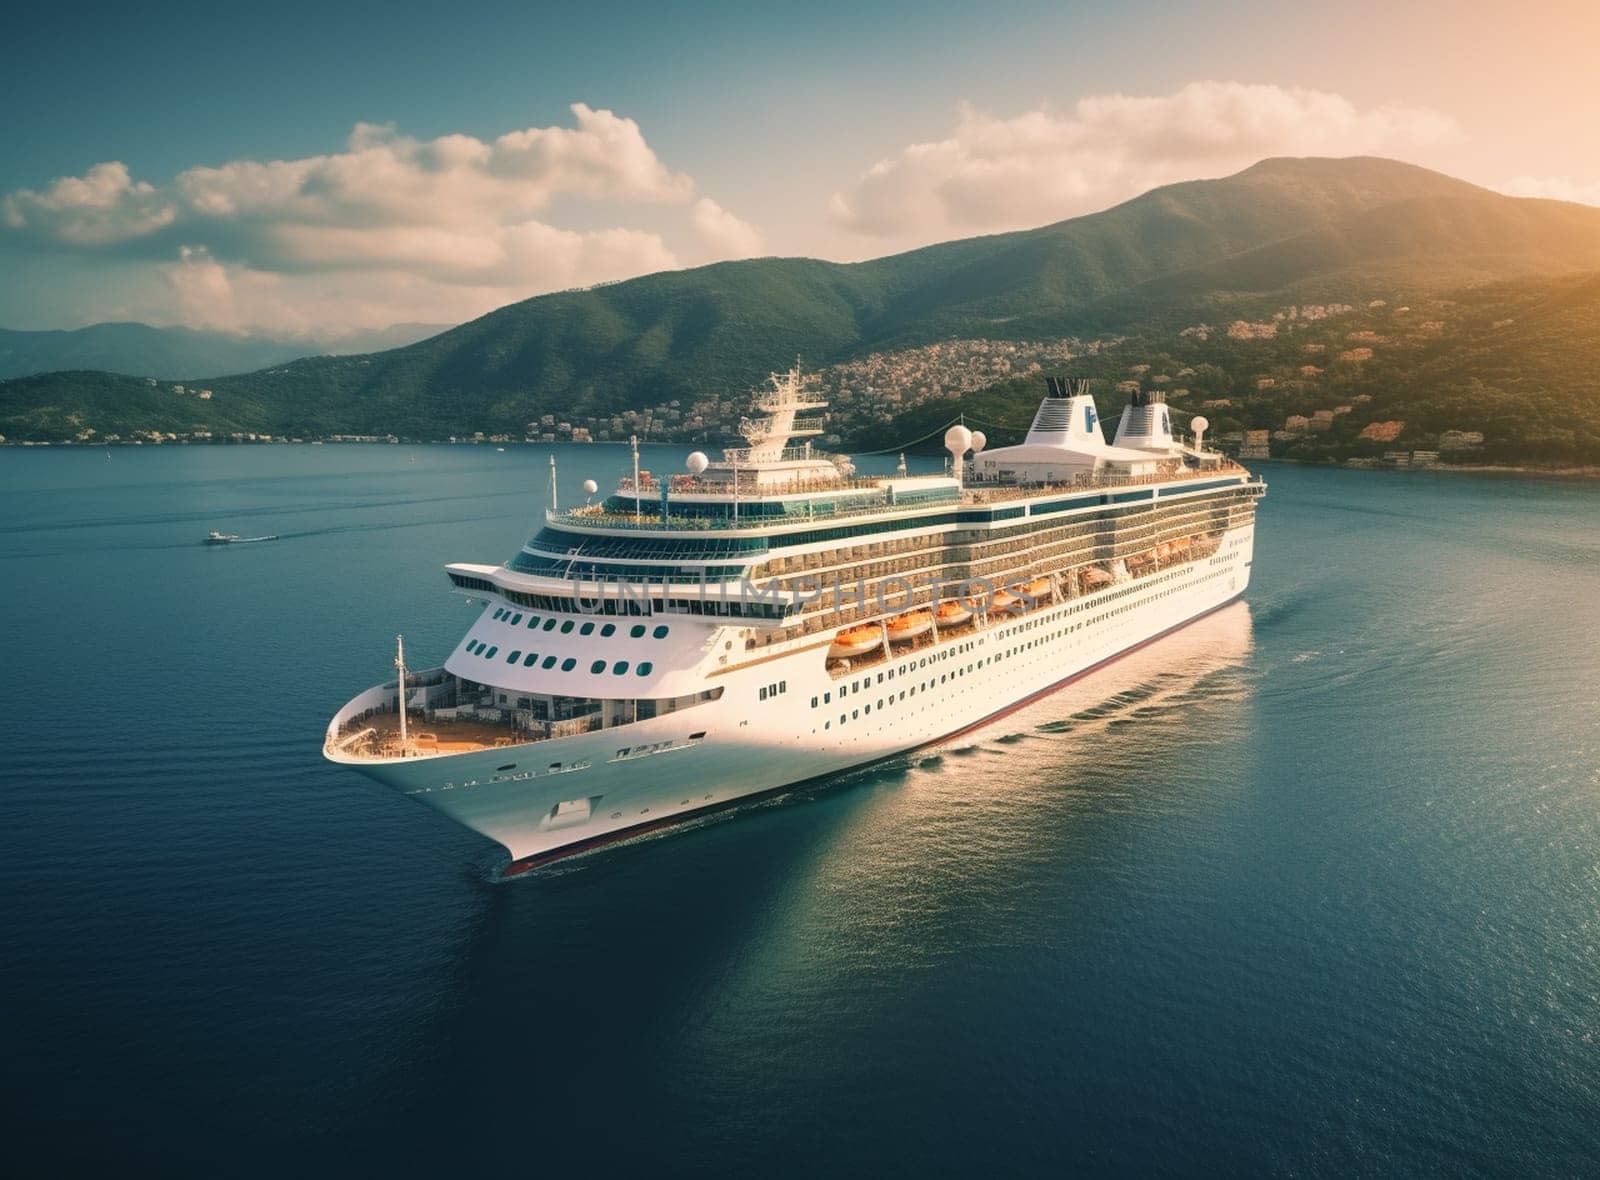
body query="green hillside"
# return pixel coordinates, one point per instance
(1281, 231)
(1518, 361)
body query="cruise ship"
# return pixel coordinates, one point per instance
(774, 617)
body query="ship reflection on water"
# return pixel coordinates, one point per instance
(935, 864)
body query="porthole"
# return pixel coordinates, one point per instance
(608, 630)
(644, 668)
(586, 629)
(549, 662)
(549, 624)
(637, 631)
(490, 653)
(515, 619)
(566, 628)
(568, 664)
(660, 632)
(514, 657)
(618, 668)
(533, 622)
(530, 659)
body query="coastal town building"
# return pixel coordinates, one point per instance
(1382, 431)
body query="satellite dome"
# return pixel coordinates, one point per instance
(697, 463)
(590, 487)
(1199, 424)
(957, 439)
(979, 441)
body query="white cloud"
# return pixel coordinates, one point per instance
(723, 234)
(390, 214)
(1555, 188)
(100, 208)
(994, 173)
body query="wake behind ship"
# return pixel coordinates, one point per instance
(772, 617)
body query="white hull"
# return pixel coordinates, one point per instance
(548, 797)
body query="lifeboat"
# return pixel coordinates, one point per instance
(910, 625)
(953, 613)
(1038, 588)
(1002, 601)
(1094, 578)
(855, 641)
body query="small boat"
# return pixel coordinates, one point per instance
(855, 641)
(1002, 601)
(1039, 590)
(1094, 577)
(910, 625)
(502, 450)
(953, 613)
(216, 538)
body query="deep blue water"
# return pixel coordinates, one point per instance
(1312, 887)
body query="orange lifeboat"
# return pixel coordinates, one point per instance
(1094, 578)
(855, 641)
(910, 625)
(953, 613)
(1002, 601)
(1038, 589)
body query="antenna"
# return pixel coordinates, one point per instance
(553, 506)
(400, 666)
(633, 440)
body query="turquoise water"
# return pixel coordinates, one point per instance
(1310, 887)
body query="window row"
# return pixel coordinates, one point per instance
(619, 668)
(607, 630)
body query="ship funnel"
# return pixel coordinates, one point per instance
(1067, 416)
(1146, 423)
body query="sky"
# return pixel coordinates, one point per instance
(316, 168)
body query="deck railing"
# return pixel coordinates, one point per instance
(975, 492)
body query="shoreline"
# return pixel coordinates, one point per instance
(1576, 471)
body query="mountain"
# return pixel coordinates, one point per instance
(1284, 230)
(181, 353)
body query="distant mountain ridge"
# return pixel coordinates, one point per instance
(140, 350)
(1283, 230)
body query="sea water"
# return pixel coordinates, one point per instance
(1312, 886)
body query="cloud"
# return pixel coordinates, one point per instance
(722, 233)
(994, 173)
(1555, 188)
(425, 216)
(100, 208)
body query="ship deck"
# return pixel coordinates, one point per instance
(378, 736)
(973, 493)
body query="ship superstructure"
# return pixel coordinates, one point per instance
(772, 617)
